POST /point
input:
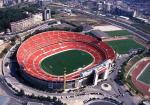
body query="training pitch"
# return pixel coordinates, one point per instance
(123, 46)
(118, 33)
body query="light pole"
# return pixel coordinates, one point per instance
(64, 79)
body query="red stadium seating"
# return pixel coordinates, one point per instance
(39, 46)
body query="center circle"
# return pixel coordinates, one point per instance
(66, 61)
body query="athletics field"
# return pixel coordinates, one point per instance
(144, 77)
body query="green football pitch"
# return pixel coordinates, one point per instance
(145, 76)
(118, 33)
(69, 60)
(123, 46)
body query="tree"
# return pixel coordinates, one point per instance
(21, 93)
(54, 99)
(78, 29)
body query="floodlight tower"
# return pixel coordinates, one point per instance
(64, 79)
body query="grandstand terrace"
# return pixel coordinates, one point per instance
(32, 51)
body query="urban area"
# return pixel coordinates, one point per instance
(75, 52)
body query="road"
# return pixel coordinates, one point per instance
(117, 92)
(4, 86)
(111, 20)
(22, 99)
(121, 94)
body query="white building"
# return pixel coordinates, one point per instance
(1, 3)
(26, 23)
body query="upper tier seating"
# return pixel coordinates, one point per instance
(39, 46)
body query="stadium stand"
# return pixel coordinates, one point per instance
(33, 50)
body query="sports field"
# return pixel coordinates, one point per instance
(69, 60)
(118, 33)
(145, 75)
(123, 46)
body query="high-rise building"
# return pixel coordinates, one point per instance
(40, 3)
(109, 7)
(1, 3)
(136, 13)
(8, 2)
(100, 6)
(46, 14)
(19, 1)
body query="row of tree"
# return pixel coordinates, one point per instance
(12, 14)
(21, 93)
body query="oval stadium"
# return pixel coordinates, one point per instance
(60, 59)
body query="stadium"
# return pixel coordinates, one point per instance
(63, 60)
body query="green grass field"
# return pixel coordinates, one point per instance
(69, 60)
(118, 33)
(123, 46)
(145, 76)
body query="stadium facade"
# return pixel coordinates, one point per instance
(32, 51)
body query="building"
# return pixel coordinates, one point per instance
(108, 7)
(146, 102)
(37, 18)
(14, 2)
(123, 12)
(46, 14)
(40, 3)
(43, 3)
(34, 103)
(100, 6)
(7, 2)
(26, 23)
(1, 3)
(19, 1)
(31, 0)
